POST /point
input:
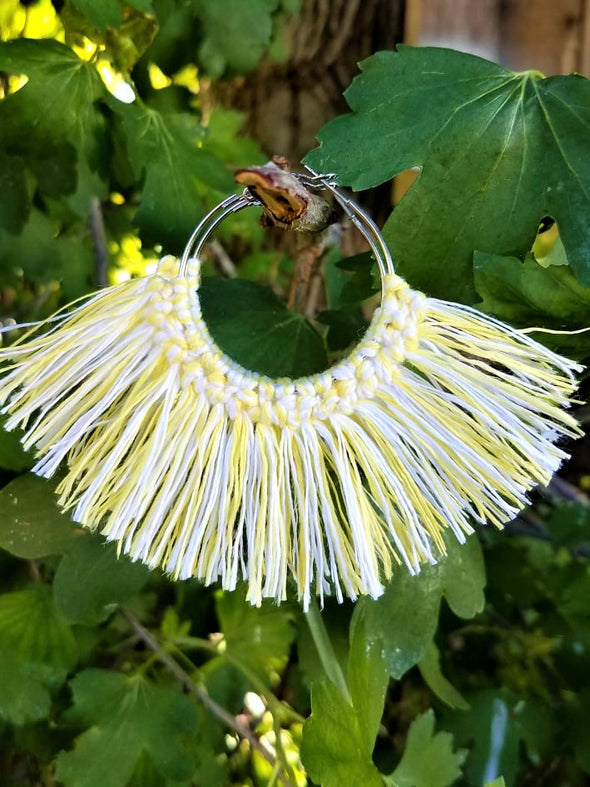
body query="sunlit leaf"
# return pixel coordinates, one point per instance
(498, 151)
(339, 736)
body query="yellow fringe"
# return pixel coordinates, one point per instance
(440, 418)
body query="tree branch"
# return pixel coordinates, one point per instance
(200, 693)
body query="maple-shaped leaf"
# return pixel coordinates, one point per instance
(235, 34)
(50, 121)
(129, 719)
(497, 152)
(165, 150)
(37, 649)
(428, 759)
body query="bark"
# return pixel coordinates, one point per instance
(285, 104)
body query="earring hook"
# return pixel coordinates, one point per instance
(314, 180)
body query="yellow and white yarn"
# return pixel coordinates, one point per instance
(440, 417)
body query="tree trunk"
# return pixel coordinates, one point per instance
(285, 104)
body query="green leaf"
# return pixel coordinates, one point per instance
(14, 194)
(255, 328)
(569, 523)
(223, 139)
(496, 783)
(339, 736)
(128, 717)
(495, 725)
(102, 13)
(46, 254)
(37, 650)
(404, 619)
(165, 149)
(12, 454)
(430, 670)
(345, 327)
(235, 34)
(145, 6)
(258, 637)
(53, 119)
(336, 620)
(498, 151)
(32, 525)
(91, 580)
(525, 293)
(428, 759)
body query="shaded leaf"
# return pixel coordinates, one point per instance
(46, 255)
(345, 327)
(91, 580)
(430, 670)
(14, 194)
(53, 119)
(32, 525)
(495, 725)
(258, 637)
(428, 759)
(255, 328)
(498, 151)
(527, 294)
(37, 649)
(12, 455)
(524, 293)
(224, 141)
(235, 34)
(569, 523)
(404, 619)
(128, 717)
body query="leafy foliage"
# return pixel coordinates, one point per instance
(110, 114)
(128, 718)
(354, 719)
(250, 322)
(429, 760)
(405, 617)
(37, 649)
(478, 148)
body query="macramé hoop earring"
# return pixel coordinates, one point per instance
(440, 417)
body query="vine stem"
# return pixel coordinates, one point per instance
(184, 678)
(325, 650)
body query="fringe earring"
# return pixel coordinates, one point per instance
(441, 417)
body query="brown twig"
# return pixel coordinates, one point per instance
(200, 693)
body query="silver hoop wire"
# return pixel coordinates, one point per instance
(314, 180)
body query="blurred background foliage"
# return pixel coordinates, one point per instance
(120, 124)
